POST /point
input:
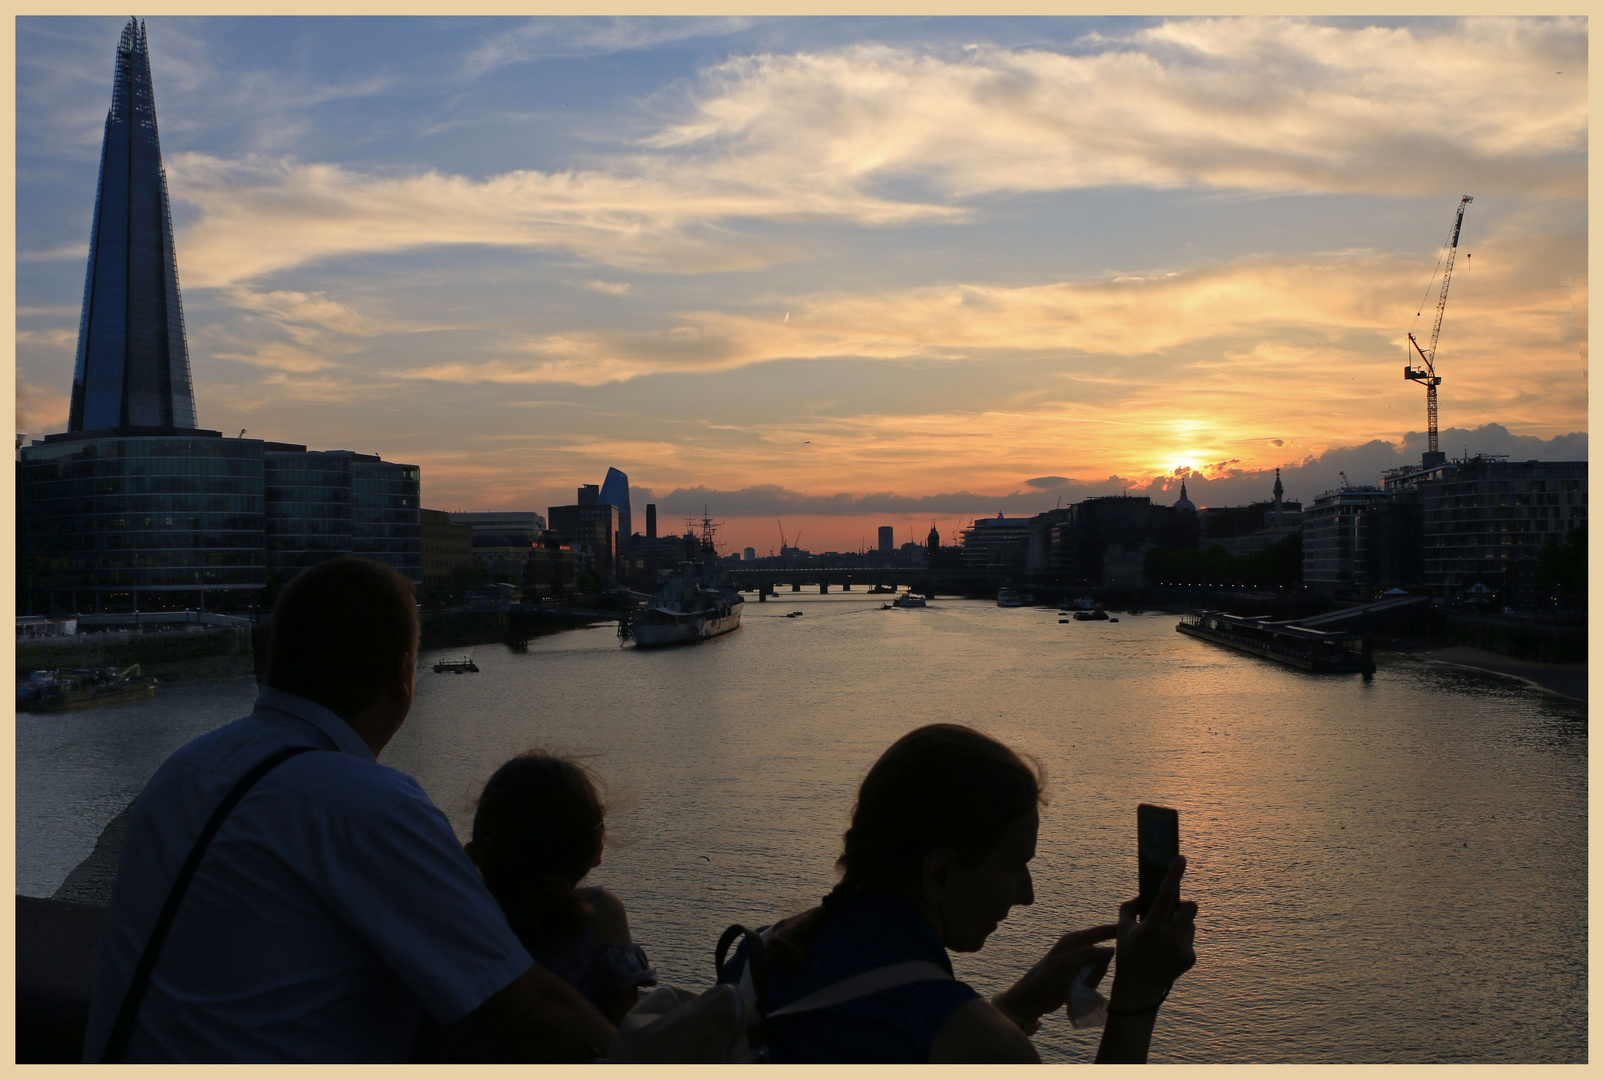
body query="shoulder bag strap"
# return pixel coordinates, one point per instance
(117, 1041)
(865, 983)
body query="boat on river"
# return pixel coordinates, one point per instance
(1283, 641)
(1007, 597)
(456, 665)
(909, 600)
(1095, 614)
(693, 605)
(82, 688)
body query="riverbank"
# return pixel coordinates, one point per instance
(1567, 680)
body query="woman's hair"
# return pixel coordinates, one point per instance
(939, 786)
(536, 832)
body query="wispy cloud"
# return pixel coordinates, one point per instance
(1279, 104)
(883, 136)
(572, 37)
(614, 288)
(69, 252)
(259, 215)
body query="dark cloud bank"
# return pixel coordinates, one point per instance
(1225, 486)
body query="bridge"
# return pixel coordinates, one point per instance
(767, 582)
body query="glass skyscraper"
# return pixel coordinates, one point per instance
(132, 368)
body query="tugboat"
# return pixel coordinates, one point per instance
(695, 604)
(80, 688)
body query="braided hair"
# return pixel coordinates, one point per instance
(537, 831)
(939, 786)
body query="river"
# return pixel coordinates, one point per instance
(1389, 869)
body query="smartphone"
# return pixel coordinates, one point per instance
(1158, 841)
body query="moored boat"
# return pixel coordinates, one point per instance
(1283, 641)
(693, 605)
(79, 688)
(1007, 597)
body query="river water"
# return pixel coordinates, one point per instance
(1389, 869)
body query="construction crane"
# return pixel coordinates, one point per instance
(1428, 375)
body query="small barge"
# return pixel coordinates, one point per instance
(81, 688)
(456, 665)
(1283, 641)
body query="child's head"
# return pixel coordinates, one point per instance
(539, 817)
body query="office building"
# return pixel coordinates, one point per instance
(132, 364)
(446, 547)
(615, 492)
(500, 520)
(590, 530)
(997, 542)
(887, 539)
(1484, 518)
(1342, 552)
(749, 554)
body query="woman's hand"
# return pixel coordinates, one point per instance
(1156, 951)
(1045, 987)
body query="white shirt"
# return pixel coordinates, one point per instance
(332, 907)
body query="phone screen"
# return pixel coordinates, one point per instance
(1158, 841)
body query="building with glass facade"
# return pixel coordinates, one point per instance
(1483, 517)
(121, 523)
(132, 366)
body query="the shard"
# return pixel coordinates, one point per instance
(132, 368)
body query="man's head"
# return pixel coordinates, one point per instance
(345, 635)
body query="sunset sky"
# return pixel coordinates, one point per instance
(842, 272)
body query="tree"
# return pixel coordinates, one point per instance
(1562, 567)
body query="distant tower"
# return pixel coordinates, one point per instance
(587, 494)
(1183, 503)
(933, 545)
(1278, 492)
(615, 492)
(651, 521)
(132, 368)
(887, 538)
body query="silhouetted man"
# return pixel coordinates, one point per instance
(334, 904)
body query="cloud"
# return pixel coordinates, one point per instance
(40, 409)
(1205, 342)
(75, 252)
(883, 136)
(1255, 104)
(1048, 482)
(573, 37)
(614, 288)
(259, 214)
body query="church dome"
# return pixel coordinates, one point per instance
(1183, 503)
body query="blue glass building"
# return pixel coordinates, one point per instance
(132, 368)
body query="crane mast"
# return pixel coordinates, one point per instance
(1428, 375)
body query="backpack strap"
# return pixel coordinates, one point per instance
(865, 983)
(117, 1041)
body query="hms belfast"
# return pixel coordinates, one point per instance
(134, 507)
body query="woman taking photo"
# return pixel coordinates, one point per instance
(937, 853)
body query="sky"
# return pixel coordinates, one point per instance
(828, 274)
